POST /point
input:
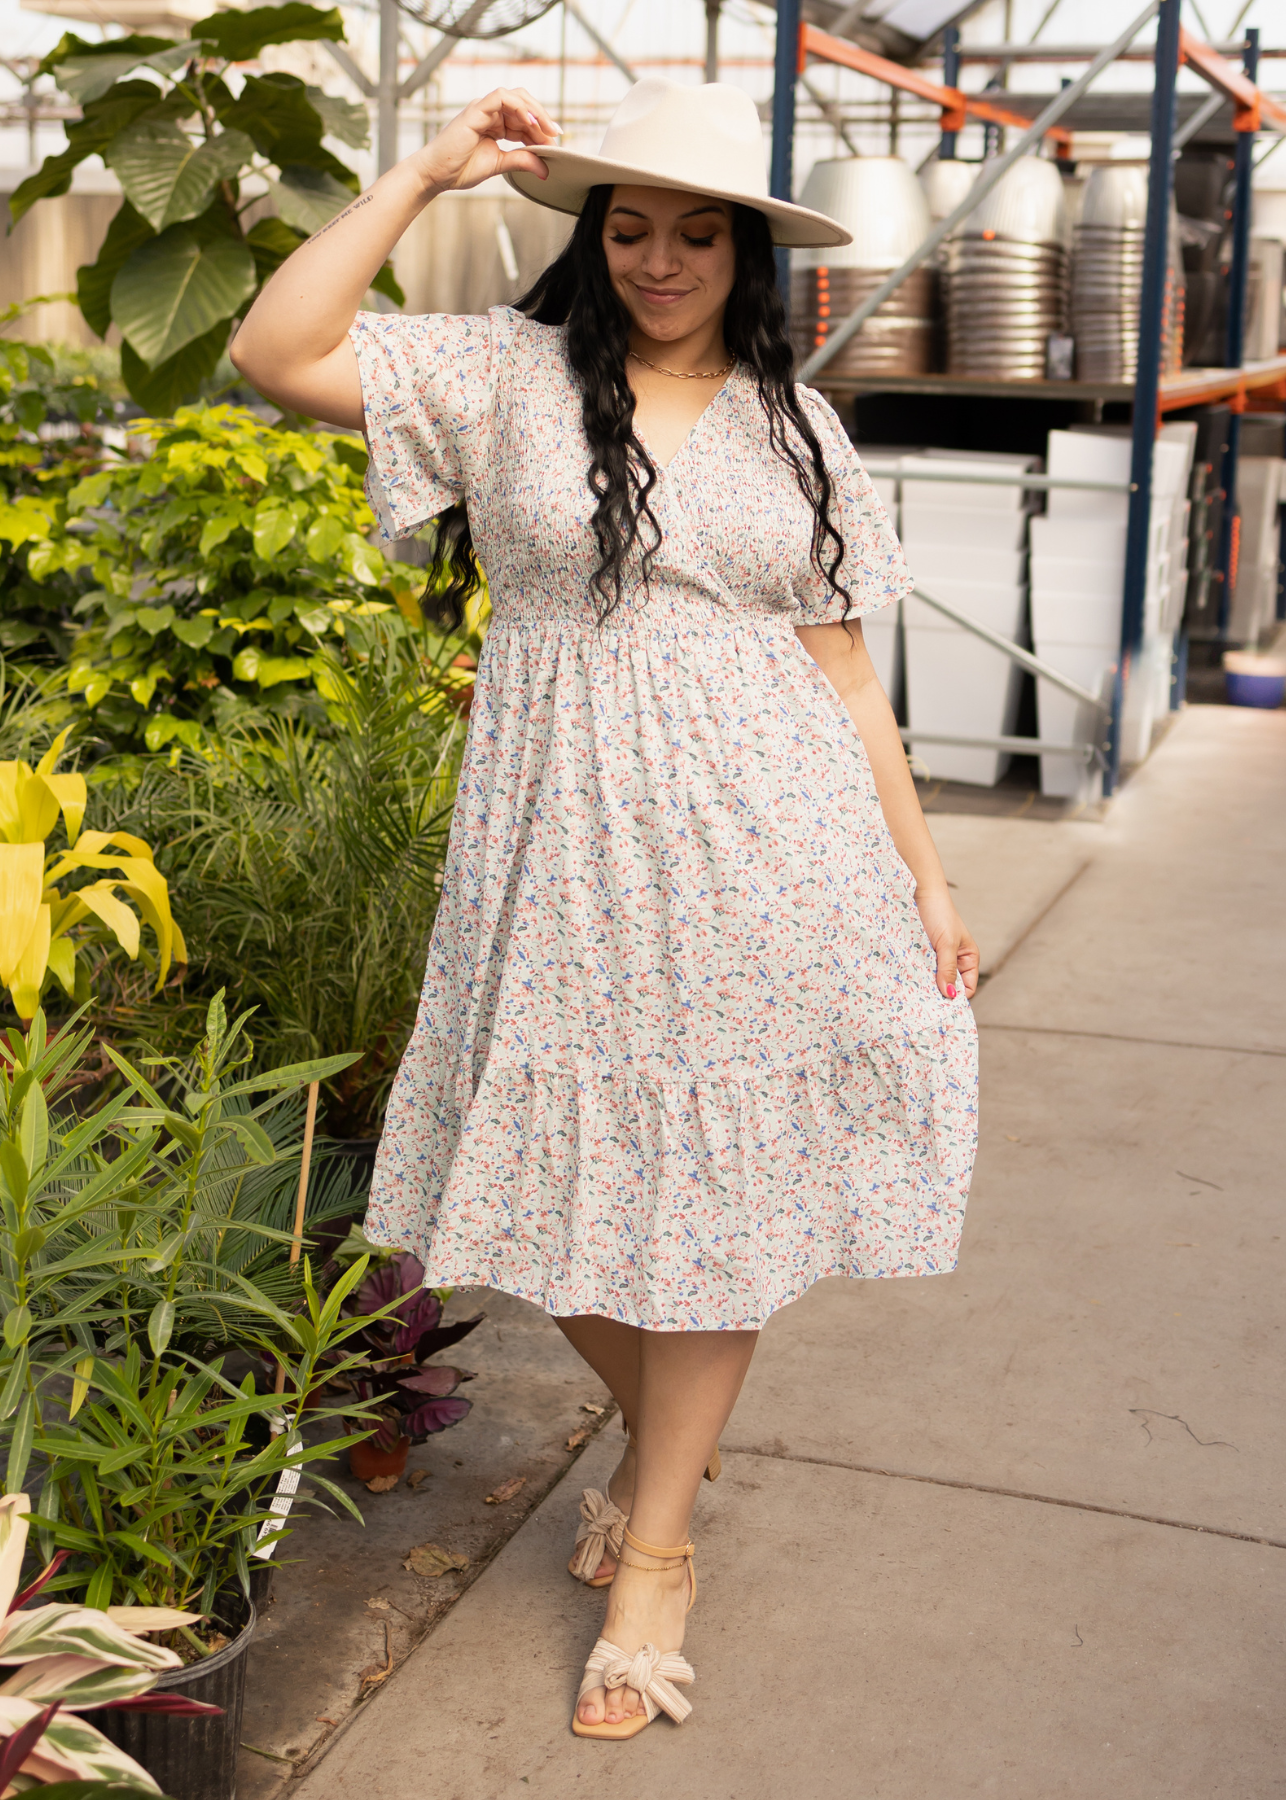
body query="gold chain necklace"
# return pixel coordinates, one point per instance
(684, 374)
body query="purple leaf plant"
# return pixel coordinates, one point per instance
(416, 1399)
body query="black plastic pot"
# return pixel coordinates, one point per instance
(191, 1759)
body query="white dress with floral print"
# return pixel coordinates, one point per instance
(680, 1050)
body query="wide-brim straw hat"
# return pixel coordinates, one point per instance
(700, 140)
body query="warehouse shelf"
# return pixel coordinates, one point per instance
(1190, 387)
(1235, 97)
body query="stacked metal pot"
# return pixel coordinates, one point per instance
(881, 203)
(1107, 277)
(1006, 277)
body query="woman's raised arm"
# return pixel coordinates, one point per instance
(293, 344)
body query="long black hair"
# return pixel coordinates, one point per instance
(576, 291)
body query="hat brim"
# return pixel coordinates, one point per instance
(572, 175)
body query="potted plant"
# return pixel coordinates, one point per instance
(399, 1327)
(73, 1660)
(156, 1469)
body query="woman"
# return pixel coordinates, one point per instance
(695, 1028)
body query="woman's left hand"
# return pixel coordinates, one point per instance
(956, 951)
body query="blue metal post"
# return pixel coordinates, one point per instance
(950, 78)
(785, 75)
(1148, 378)
(1235, 345)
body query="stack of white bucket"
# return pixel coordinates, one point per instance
(967, 543)
(1077, 583)
(882, 630)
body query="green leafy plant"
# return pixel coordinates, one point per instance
(155, 1468)
(306, 864)
(72, 394)
(222, 568)
(183, 133)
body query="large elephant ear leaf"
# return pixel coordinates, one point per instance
(174, 289)
(308, 198)
(239, 36)
(171, 384)
(93, 132)
(166, 175)
(88, 76)
(69, 46)
(275, 110)
(342, 119)
(94, 280)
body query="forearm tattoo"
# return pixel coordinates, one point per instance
(339, 218)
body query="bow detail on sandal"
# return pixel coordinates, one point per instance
(602, 1526)
(655, 1675)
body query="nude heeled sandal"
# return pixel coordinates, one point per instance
(601, 1525)
(655, 1675)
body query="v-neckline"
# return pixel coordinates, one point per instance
(663, 468)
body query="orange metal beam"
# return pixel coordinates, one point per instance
(956, 105)
(1251, 105)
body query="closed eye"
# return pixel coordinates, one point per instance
(702, 243)
(619, 237)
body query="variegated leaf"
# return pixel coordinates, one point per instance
(13, 1544)
(78, 1631)
(138, 1619)
(71, 1749)
(78, 1681)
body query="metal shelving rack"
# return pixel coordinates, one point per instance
(1151, 394)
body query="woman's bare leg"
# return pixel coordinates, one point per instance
(612, 1351)
(688, 1385)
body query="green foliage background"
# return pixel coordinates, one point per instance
(180, 261)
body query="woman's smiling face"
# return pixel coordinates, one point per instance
(670, 258)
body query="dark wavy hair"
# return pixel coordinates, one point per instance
(576, 291)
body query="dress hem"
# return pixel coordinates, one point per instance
(439, 1275)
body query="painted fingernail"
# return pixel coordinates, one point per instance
(951, 993)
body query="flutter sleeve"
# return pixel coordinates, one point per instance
(873, 569)
(429, 387)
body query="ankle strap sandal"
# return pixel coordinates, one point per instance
(655, 1675)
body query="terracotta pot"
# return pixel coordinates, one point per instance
(366, 1460)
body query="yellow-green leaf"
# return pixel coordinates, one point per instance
(119, 919)
(38, 808)
(80, 1386)
(29, 971)
(73, 796)
(62, 961)
(21, 885)
(324, 537)
(274, 528)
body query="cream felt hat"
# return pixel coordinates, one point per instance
(701, 140)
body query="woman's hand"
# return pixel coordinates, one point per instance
(467, 151)
(956, 951)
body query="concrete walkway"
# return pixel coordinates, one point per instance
(1019, 1532)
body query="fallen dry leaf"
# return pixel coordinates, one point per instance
(382, 1605)
(580, 1436)
(381, 1484)
(323, 1720)
(589, 1407)
(507, 1490)
(374, 1673)
(416, 1476)
(431, 1560)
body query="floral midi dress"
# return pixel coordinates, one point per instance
(680, 1050)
